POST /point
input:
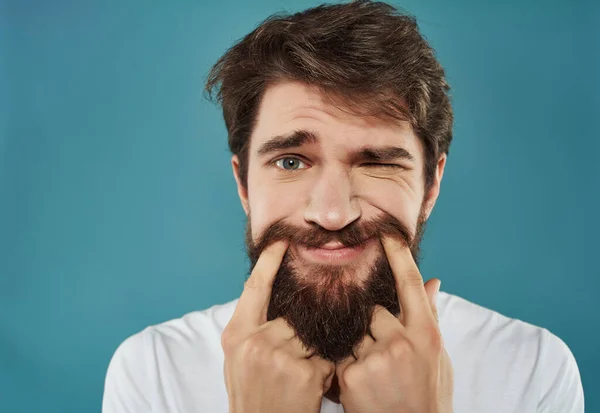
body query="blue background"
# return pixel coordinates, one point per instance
(118, 208)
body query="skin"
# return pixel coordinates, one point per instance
(403, 367)
(332, 189)
(266, 367)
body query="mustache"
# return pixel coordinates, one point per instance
(316, 236)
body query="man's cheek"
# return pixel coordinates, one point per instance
(269, 207)
(400, 209)
(262, 217)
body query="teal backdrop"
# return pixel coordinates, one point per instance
(118, 208)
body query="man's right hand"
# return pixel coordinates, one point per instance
(267, 369)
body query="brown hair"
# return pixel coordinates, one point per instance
(365, 56)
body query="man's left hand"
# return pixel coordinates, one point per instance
(402, 366)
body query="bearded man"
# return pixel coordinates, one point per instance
(339, 122)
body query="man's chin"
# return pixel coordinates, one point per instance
(331, 313)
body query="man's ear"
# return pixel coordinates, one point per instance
(242, 190)
(433, 193)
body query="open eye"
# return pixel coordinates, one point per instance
(290, 163)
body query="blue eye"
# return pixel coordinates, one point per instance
(290, 164)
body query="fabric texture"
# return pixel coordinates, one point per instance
(500, 365)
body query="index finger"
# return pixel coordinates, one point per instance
(254, 302)
(409, 282)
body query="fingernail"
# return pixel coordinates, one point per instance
(437, 291)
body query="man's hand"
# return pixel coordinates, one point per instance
(267, 369)
(402, 366)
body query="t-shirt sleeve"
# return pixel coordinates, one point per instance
(126, 384)
(562, 391)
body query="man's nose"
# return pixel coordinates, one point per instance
(331, 202)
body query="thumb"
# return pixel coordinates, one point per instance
(432, 288)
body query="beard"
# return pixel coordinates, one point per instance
(329, 310)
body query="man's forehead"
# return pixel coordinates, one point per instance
(285, 97)
(287, 106)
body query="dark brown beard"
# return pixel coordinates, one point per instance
(331, 316)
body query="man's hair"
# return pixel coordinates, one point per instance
(365, 57)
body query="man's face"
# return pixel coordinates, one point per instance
(331, 183)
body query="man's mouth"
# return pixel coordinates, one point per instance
(332, 253)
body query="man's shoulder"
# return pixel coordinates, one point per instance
(185, 350)
(198, 331)
(178, 344)
(463, 320)
(490, 348)
(196, 324)
(194, 328)
(476, 333)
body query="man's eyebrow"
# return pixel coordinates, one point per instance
(292, 140)
(381, 154)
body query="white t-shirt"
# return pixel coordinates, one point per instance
(500, 365)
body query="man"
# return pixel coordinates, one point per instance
(339, 122)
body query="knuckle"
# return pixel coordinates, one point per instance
(329, 369)
(280, 324)
(306, 374)
(252, 282)
(352, 377)
(434, 340)
(255, 347)
(377, 308)
(280, 360)
(378, 311)
(228, 339)
(324, 368)
(411, 278)
(435, 314)
(377, 361)
(400, 348)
